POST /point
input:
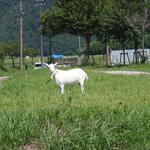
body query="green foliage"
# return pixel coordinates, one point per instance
(95, 46)
(31, 52)
(2, 54)
(78, 17)
(147, 40)
(12, 49)
(52, 22)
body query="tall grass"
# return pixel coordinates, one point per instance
(113, 113)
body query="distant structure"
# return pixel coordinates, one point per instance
(116, 56)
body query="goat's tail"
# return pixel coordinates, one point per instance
(86, 77)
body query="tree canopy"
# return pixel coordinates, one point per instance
(78, 17)
(109, 20)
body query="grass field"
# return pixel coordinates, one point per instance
(112, 114)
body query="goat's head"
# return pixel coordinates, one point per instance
(52, 67)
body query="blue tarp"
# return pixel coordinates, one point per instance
(57, 56)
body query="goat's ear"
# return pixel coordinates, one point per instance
(56, 64)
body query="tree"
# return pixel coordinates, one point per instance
(32, 53)
(121, 31)
(76, 17)
(12, 50)
(52, 24)
(108, 19)
(125, 22)
(136, 19)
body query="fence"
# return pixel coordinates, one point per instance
(116, 57)
(67, 61)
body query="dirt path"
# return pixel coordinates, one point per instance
(127, 72)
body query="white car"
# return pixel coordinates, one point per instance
(38, 65)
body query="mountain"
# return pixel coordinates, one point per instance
(9, 26)
(9, 21)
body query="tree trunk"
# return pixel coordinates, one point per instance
(106, 51)
(124, 56)
(32, 59)
(13, 62)
(1, 63)
(106, 54)
(135, 48)
(50, 51)
(88, 40)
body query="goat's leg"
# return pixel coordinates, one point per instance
(62, 88)
(82, 85)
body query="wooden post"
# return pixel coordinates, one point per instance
(107, 55)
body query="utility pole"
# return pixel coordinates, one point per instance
(41, 2)
(21, 36)
(41, 37)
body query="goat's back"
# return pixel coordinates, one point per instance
(71, 76)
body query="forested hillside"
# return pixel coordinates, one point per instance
(9, 26)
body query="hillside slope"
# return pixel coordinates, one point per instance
(9, 26)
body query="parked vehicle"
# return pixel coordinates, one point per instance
(38, 65)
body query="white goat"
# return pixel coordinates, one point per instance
(63, 77)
